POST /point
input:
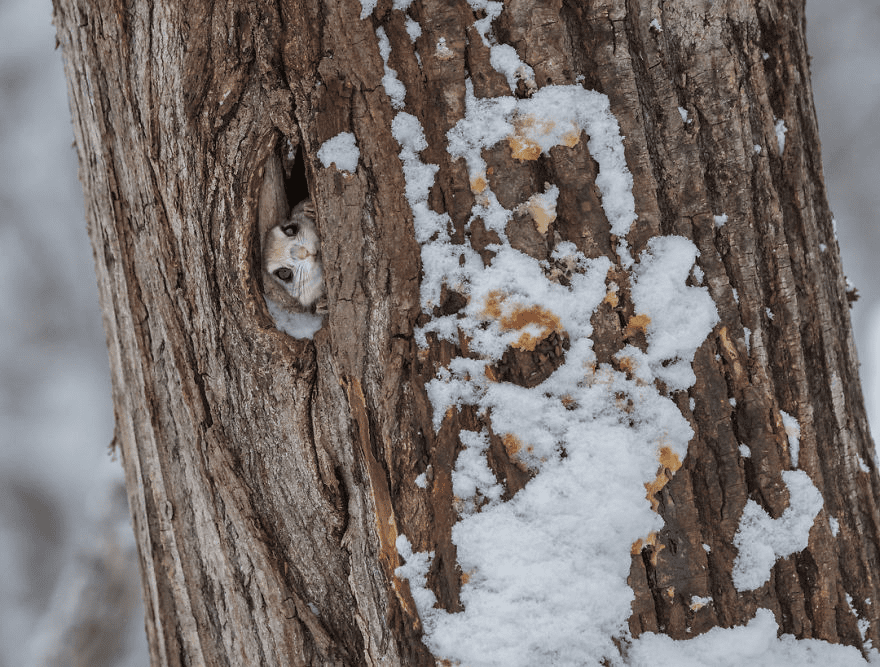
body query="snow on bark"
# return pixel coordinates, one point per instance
(546, 573)
(762, 539)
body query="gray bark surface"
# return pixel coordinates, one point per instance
(269, 477)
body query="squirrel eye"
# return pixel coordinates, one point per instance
(291, 230)
(284, 274)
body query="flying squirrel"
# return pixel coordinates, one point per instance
(292, 258)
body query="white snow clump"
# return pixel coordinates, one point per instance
(761, 539)
(342, 151)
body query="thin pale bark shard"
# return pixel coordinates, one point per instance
(386, 525)
(273, 204)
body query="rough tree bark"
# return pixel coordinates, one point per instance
(269, 477)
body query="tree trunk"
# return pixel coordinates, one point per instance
(270, 478)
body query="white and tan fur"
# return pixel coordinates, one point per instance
(292, 258)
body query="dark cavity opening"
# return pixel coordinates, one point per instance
(296, 185)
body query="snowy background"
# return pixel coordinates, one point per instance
(63, 520)
(842, 39)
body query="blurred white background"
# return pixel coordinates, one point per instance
(63, 517)
(842, 39)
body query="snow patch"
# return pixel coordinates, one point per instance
(491, 10)
(367, 7)
(554, 116)
(442, 51)
(394, 88)
(780, 134)
(422, 479)
(698, 602)
(413, 29)
(761, 539)
(505, 60)
(755, 644)
(834, 524)
(679, 317)
(793, 432)
(342, 151)
(419, 177)
(416, 571)
(473, 482)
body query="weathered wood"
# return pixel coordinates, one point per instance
(269, 477)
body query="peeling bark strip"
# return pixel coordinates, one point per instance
(303, 502)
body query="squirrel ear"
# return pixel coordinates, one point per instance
(309, 210)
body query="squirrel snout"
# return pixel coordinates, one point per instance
(302, 252)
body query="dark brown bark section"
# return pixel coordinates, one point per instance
(258, 540)
(268, 477)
